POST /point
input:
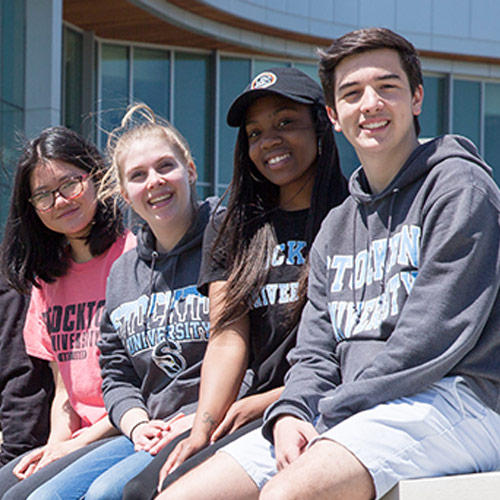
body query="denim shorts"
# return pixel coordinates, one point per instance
(441, 431)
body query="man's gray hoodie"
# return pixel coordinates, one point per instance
(156, 326)
(403, 290)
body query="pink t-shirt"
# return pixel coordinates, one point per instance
(62, 325)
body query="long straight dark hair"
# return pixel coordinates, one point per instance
(246, 231)
(32, 251)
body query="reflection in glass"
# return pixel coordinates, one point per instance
(467, 110)
(193, 97)
(432, 118)
(114, 87)
(152, 79)
(12, 62)
(234, 77)
(492, 127)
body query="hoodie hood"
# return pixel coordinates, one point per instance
(423, 159)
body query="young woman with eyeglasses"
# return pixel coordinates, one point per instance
(62, 240)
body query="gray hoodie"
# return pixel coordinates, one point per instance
(155, 329)
(403, 290)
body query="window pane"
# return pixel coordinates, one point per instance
(308, 69)
(259, 65)
(12, 54)
(114, 87)
(12, 18)
(204, 191)
(152, 79)
(192, 112)
(492, 127)
(234, 77)
(11, 122)
(432, 118)
(73, 46)
(466, 109)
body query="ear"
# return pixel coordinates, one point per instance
(333, 118)
(124, 195)
(192, 173)
(417, 100)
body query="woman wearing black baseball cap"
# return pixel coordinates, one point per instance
(286, 178)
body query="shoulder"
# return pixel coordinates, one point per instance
(456, 164)
(124, 242)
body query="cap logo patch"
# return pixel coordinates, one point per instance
(263, 80)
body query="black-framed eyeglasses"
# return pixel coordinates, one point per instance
(70, 189)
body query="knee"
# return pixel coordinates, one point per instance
(42, 494)
(275, 489)
(103, 490)
(173, 492)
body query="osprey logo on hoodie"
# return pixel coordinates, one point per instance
(167, 355)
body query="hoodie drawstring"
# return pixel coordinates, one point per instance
(154, 256)
(358, 307)
(395, 191)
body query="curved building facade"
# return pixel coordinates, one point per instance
(81, 62)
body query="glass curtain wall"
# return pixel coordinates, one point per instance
(12, 35)
(194, 89)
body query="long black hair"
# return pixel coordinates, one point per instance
(246, 229)
(32, 251)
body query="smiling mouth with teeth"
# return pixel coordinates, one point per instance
(277, 159)
(154, 201)
(375, 125)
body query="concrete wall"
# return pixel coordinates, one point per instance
(43, 65)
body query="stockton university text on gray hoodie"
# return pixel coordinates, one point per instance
(403, 290)
(156, 326)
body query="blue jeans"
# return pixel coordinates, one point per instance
(101, 473)
(12, 488)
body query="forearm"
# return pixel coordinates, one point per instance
(99, 430)
(269, 397)
(131, 419)
(223, 369)
(64, 421)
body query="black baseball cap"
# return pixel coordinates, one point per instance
(287, 82)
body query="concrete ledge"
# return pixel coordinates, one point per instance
(482, 486)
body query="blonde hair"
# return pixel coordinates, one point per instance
(139, 122)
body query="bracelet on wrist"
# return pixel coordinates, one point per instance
(131, 433)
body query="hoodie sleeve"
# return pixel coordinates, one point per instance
(445, 313)
(26, 385)
(315, 369)
(121, 385)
